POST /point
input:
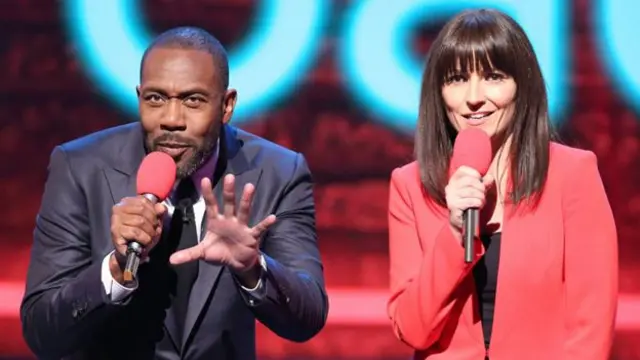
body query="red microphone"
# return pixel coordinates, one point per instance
(156, 176)
(472, 148)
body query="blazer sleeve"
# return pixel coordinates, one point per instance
(590, 263)
(64, 299)
(295, 306)
(424, 273)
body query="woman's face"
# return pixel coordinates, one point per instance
(481, 99)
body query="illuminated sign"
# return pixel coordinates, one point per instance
(375, 58)
(616, 31)
(383, 74)
(265, 67)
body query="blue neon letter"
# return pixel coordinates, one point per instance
(617, 40)
(385, 77)
(266, 66)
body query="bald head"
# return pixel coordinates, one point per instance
(193, 38)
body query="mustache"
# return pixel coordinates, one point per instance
(172, 138)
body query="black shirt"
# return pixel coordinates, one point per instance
(485, 273)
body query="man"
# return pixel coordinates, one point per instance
(205, 274)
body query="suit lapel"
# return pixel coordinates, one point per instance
(123, 166)
(121, 185)
(232, 160)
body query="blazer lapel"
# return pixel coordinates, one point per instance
(123, 166)
(121, 185)
(232, 160)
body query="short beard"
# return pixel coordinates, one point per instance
(200, 156)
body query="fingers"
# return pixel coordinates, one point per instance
(228, 196)
(130, 233)
(158, 230)
(140, 223)
(135, 219)
(187, 255)
(456, 202)
(262, 226)
(462, 202)
(488, 181)
(455, 193)
(471, 183)
(244, 207)
(470, 191)
(209, 198)
(465, 171)
(468, 203)
(160, 209)
(466, 189)
(138, 206)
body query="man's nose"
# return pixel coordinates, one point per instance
(173, 119)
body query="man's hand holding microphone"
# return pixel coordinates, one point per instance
(134, 219)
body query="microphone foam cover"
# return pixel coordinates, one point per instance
(156, 175)
(472, 148)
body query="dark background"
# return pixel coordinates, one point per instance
(46, 99)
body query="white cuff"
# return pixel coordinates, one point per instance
(258, 286)
(114, 290)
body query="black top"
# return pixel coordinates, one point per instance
(485, 273)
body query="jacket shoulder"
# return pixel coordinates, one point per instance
(407, 173)
(566, 165)
(252, 142)
(564, 155)
(269, 155)
(102, 140)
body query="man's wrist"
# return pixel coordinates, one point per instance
(116, 265)
(251, 277)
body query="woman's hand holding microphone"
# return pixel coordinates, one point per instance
(466, 189)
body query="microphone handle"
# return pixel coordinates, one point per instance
(470, 217)
(134, 250)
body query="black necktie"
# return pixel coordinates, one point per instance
(183, 230)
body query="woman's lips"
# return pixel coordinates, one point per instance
(477, 118)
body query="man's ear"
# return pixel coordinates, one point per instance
(228, 105)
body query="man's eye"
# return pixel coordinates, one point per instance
(194, 101)
(154, 98)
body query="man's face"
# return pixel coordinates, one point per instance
(182, 105)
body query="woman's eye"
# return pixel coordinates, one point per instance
(455, 78)
(494, 76)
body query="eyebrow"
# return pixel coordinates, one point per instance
(181, 94)
(467, 72)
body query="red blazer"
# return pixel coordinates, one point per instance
(557, 278)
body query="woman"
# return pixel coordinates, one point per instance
(546, 258)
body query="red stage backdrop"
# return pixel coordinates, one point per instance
(46, 98)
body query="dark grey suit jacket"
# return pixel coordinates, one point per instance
(66, 312)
